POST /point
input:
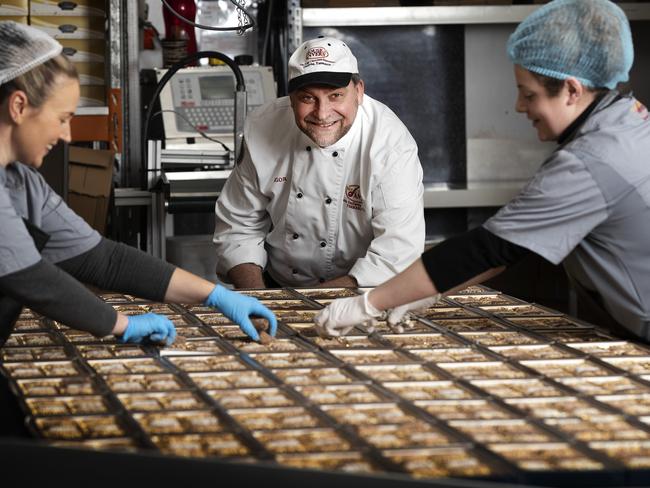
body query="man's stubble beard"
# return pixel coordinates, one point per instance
(324, 142)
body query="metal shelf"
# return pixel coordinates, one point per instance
(492, 14)
(484, 194)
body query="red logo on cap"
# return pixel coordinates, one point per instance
(317, 53)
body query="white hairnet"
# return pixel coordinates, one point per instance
(22, 48)
(589, 40)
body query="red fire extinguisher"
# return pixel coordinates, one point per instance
(175, 28)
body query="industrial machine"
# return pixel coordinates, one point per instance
(203, 111)
(200, 100)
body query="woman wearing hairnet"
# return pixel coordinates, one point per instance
(588, 206)
(46, 250)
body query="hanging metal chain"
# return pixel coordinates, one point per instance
(239, 5)
(240, 16)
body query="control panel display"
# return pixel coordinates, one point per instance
(202, 99)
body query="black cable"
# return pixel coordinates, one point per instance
(240, 87)
(241, 29)
(267, 31)
(283, 47)
(275, 46)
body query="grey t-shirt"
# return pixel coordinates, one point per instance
(589, 206)
(25, 194)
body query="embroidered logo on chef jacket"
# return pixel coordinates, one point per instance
(279, 179)
(352, 197)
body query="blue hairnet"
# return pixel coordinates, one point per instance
(589, 40)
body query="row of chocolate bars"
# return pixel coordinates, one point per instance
(481, 385)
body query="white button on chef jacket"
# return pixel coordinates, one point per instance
(309, 214)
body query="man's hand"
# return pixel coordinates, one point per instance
(239, 308)
(340, 316)
(399, 317)
(151, 327)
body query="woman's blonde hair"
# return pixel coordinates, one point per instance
(38, 82)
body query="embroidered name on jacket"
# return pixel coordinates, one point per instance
(353, 198)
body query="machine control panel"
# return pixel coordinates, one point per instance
(202, 98)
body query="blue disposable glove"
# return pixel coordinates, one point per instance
(239, 308)
(151, 327)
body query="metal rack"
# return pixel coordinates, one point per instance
(484, 14)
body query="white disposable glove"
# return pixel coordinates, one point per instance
(340, 316)
(399, 318)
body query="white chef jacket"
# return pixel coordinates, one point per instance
(309, 214)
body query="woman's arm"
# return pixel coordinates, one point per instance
(452, 265)
(50, 291)
(414, 284)
(117, 267)
(185, 287)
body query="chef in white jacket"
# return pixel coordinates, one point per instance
(329, 191)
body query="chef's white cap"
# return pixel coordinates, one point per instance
(322, 61)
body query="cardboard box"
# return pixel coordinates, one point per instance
(70, 27)
(90, 176)
(14, 7)
(91, 73)
(70, 9)
(92, 96)
(19, 20)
